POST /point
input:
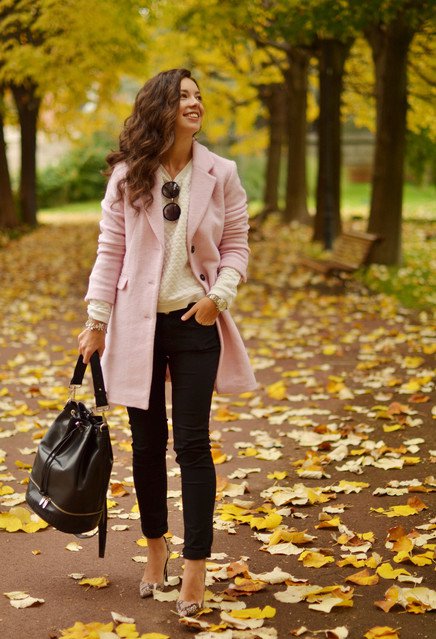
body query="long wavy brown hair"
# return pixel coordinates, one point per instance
(148, 133)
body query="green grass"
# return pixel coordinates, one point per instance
(413, 283)
(419, 201)
(92, 206)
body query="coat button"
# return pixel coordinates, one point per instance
(202, 277)
(192, 249)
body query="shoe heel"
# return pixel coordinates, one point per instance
(167, 560)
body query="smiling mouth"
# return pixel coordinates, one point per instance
(192, 115)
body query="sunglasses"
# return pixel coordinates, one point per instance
(171, 211)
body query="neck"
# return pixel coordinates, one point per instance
(178, 155)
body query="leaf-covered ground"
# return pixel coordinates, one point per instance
(324, 519)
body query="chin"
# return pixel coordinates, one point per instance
(191, 130)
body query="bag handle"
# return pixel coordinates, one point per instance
(97, 380)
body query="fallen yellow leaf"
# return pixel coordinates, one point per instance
(277, 390)
(417, 600)
(118, 490)
(223, 414)
(329, 522)
(81, 630)
(266, 523)
(363, 578)
(95, 582)
(386, 571)
(295, 537)
(23, 465)
(278, 474)
(127, 631)
(382, 632)
(6, 490)
(268, 612)
(312, 559)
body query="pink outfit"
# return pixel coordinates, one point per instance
(128, 270)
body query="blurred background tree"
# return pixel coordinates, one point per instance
(57, 53)
(389, 27)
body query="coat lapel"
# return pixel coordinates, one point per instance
(202, 186)
(154, 212)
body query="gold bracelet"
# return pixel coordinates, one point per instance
(94, 325)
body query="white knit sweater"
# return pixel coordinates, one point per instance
(178, 287)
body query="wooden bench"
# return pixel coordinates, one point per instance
(350, 251)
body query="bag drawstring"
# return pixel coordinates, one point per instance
(45, 474)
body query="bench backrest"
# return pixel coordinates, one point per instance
(352, 248)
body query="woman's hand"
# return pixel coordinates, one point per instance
(205, 312)
(89, 342)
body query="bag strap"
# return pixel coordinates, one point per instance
(102, 531)
(97, 379)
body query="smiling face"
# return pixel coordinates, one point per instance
(191, 109)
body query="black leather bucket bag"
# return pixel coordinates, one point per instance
(71, 471)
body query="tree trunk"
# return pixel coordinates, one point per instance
(332, 56)
(274, 98)
(389, 44)
(8, 216)
(27, 104)
(296, 87)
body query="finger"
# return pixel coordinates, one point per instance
(189, 313)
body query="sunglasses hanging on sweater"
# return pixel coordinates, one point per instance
(171, 211)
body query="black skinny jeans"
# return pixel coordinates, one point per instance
(192, 352)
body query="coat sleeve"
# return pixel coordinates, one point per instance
(111, 245)
(233, 247)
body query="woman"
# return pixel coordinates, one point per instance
(171, 252)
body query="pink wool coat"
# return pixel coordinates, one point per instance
(128, 269)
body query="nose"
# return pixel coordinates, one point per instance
(193, 100)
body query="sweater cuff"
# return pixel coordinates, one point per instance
(226, 284)
(99, 310)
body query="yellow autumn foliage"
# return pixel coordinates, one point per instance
(268, 612)
(363, 578)
(386, 571)
(382, 632)
(19, 518)
(277, 474)
(277, 390)
(95, 582)
(312, 559)
(269, 522)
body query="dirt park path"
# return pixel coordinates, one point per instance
(343, 411)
